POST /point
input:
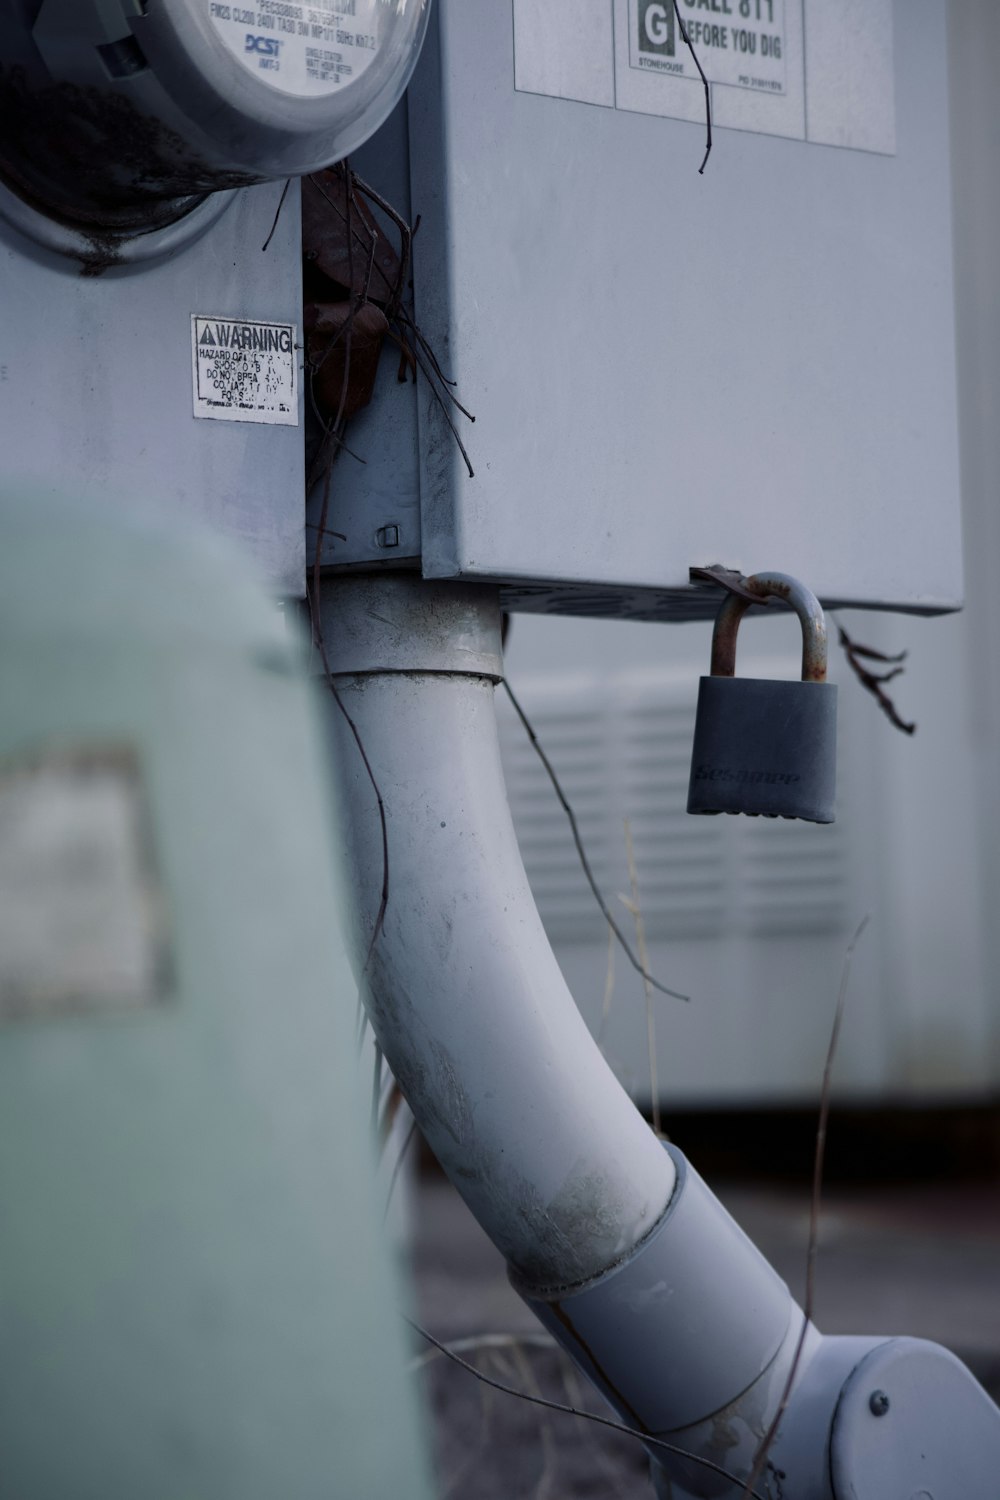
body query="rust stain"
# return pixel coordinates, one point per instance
(758, 589)
(729, 579)
(560, 1313)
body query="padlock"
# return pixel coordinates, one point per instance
(762, 747)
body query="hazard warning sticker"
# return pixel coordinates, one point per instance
(244, 371)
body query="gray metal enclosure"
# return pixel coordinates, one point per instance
(97, 390)
(753, 367)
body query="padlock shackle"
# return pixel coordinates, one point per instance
(794, 593)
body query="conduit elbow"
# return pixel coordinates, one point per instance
(464, 993)
(612, 1239)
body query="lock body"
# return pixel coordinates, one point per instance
(765, 748)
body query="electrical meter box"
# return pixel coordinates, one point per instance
(752, 366)
(150, 253)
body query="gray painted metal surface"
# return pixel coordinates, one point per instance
(669, 369)
(378, 498)
(912, 1422)
(96, 379)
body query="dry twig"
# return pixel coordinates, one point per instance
(704, 80)
(575, 1397)
(814, 1212)
(477, 1341)
(609, 987)
(873, 681)
(640, 936)
(398, 1167)
(581, 851)
(277, 213)
(646, 1438)
(543, 1489)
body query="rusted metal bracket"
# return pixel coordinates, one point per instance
(727, 578)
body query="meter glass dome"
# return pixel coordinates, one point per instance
(119, 112)
(312, 50)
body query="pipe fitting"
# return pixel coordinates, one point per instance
(374, 622)
(685, 1325)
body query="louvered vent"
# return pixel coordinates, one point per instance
(622, 751)
(793, 876)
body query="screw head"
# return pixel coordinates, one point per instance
(878, 1403)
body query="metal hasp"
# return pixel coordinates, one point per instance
(762, 747)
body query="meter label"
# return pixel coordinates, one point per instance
(244, 371)
(739, 42)
(306, 49)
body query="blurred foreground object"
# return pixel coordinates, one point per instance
(194, 1299)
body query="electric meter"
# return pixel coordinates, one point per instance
(117, 112)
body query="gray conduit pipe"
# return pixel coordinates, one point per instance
(611, 1238)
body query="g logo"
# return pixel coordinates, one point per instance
(656, 27)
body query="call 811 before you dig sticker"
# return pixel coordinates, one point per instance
(739, 42)
(302, 47)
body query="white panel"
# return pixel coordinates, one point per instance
(565, 48)
(850, 98)
(974, 46)
(826, 76)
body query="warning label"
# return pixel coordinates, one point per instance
(303, 49)
(739, 42)
(244, 371)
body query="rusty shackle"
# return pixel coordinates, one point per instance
(805, 605)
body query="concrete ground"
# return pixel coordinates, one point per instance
(920, 1260)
